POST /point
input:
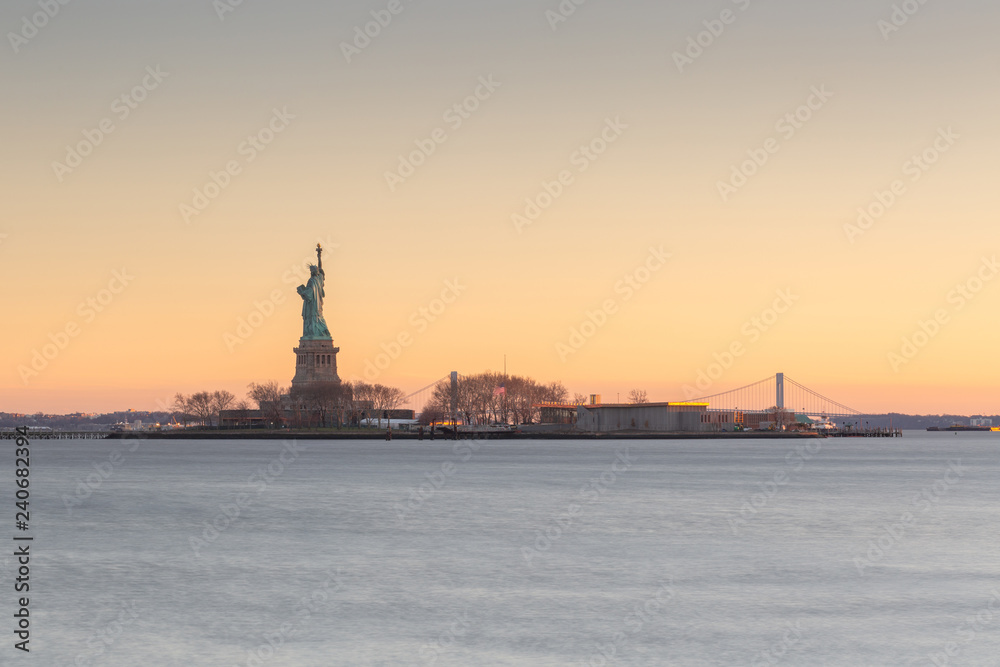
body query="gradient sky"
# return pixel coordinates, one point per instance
(391, 252)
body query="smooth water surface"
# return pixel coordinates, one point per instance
(760, 552)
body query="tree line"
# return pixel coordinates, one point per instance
(203, 406)
(493, 398)
(318, 404)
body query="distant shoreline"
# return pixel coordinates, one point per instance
(404, 435)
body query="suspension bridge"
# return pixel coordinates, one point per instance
(780, 400)
(776, 392)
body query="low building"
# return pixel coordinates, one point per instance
(241, 419)
(657, 417)
(556, 413)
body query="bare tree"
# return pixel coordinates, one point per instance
(637, 396)
(201, 406)
(328, 400)
(304, 404)
(383, 399)
(391, 398)
(343, 402)
(267, 396)
(482, 401)
(221, 400)
(318, 401)
(430, 415)
(555, 392)
(440, 401)
(181, 407)
(365, 399)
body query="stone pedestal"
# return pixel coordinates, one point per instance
(315, 361)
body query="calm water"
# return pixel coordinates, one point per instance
(860, 552)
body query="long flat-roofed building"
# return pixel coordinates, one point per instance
(659, 417)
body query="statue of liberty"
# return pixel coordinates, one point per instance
(312, 293)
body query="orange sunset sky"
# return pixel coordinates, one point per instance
(803, 112)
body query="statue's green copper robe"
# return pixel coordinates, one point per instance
(312, 293)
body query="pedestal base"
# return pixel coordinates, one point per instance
(315, 361)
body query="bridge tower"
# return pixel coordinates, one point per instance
(454, 394)
(779, 390)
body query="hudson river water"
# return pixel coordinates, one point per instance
(760, 552)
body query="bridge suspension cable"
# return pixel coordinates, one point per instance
(418, 399)
(844, 410)
(775, 392)
(748, 388)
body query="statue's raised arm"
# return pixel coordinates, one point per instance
(319, 257)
